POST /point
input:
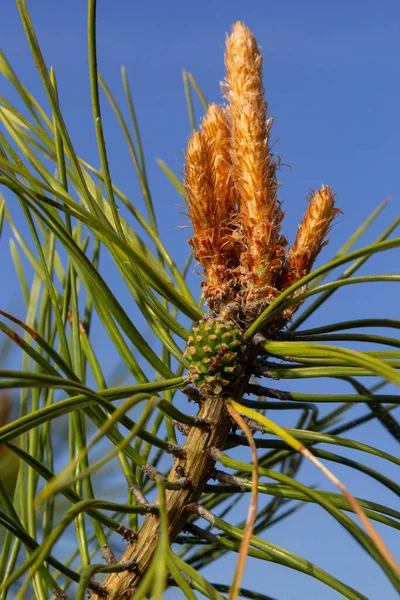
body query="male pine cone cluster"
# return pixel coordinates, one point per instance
(231, 191)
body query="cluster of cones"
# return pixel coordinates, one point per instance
(231, 186)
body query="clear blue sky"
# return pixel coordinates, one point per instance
(331, 73)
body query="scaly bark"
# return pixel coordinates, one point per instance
(197, 466)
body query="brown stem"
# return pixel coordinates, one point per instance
(197, 465)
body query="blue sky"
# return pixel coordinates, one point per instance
(331, 73)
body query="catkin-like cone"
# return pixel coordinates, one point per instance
(215, 127)
(311, 236)
(199, 188)
(254, 168)
(208, 182)
(310, 239)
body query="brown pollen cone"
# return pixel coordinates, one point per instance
(311, 234)
(254, 167)
(208, 182)
(310, 239)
